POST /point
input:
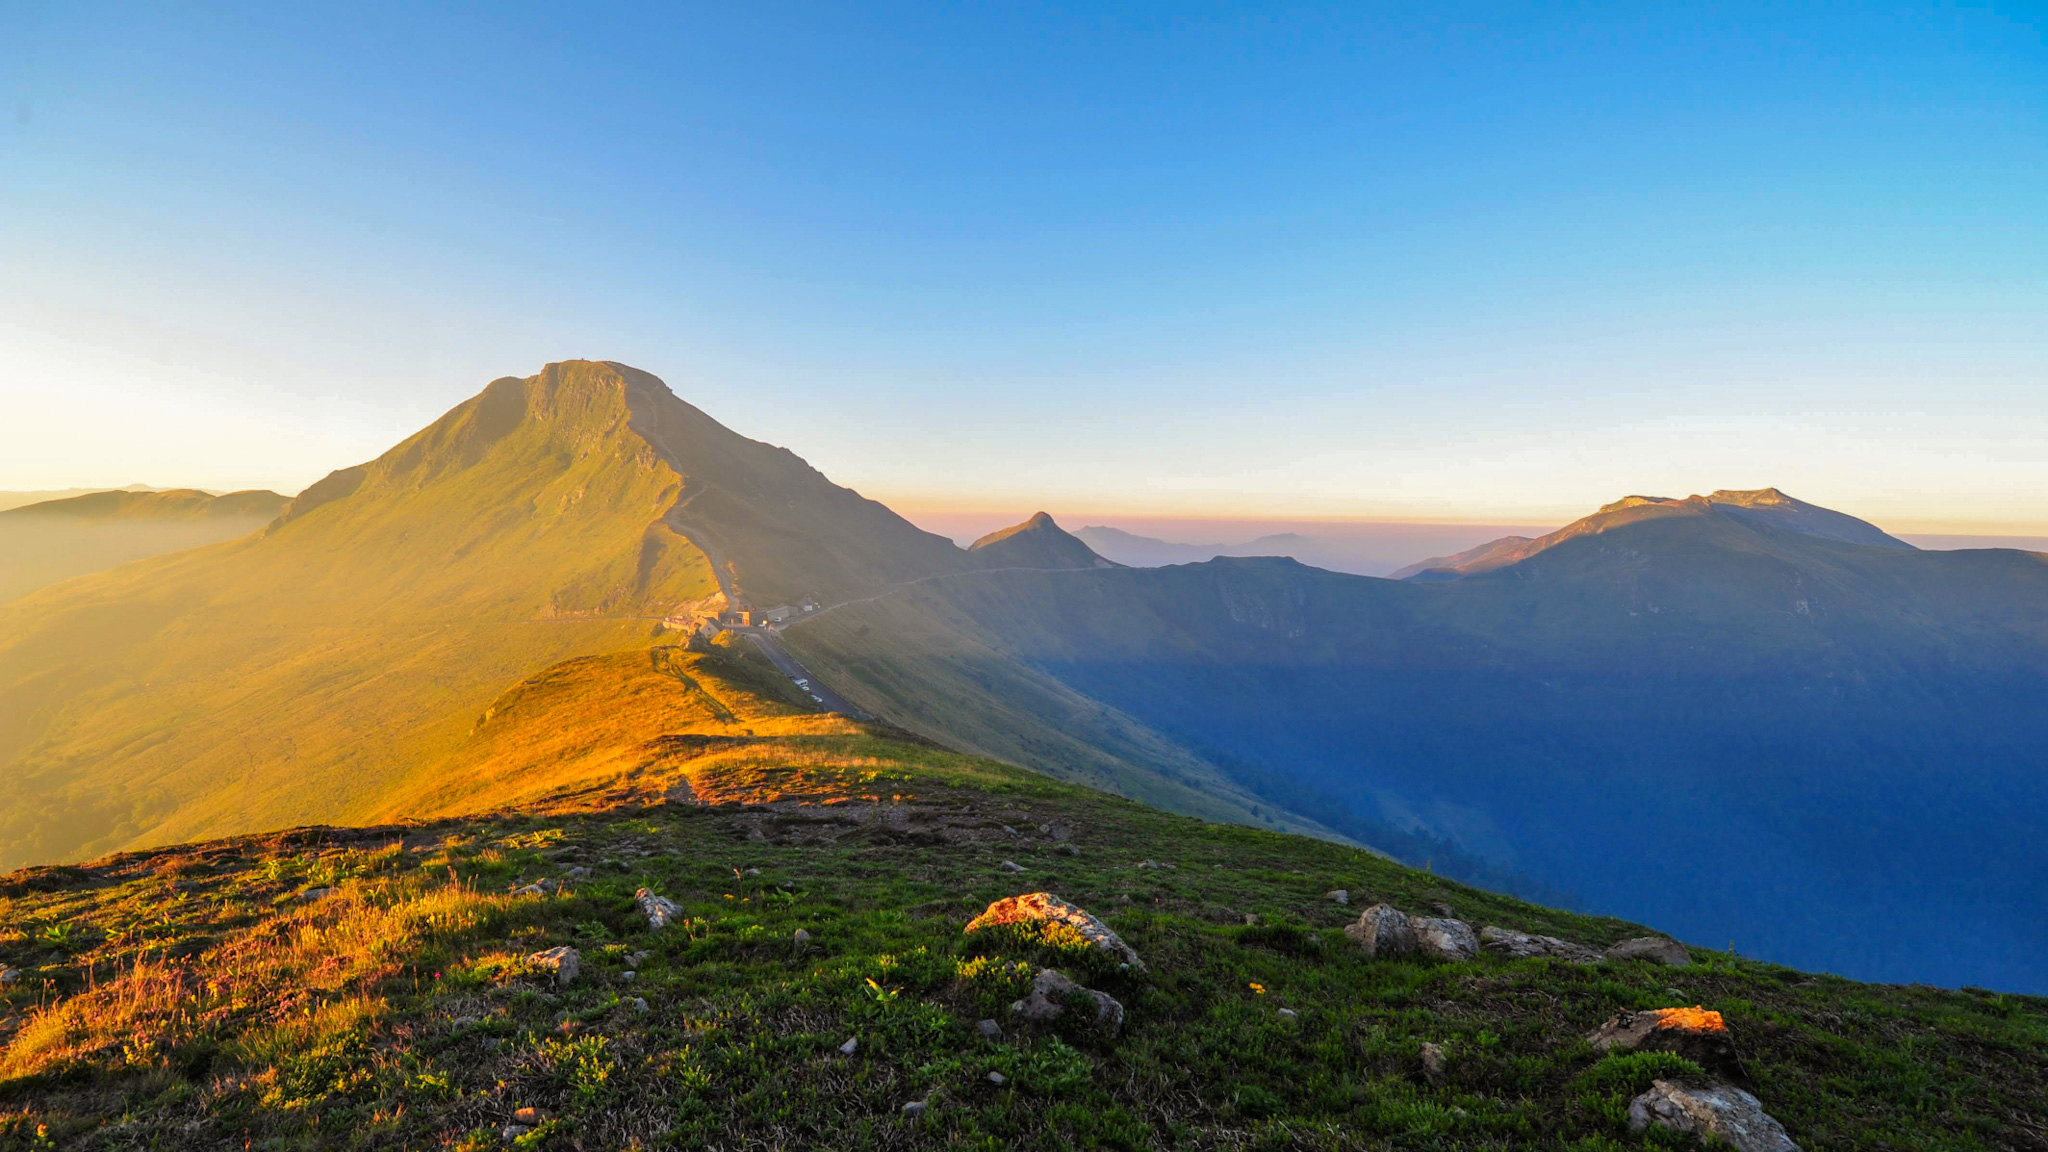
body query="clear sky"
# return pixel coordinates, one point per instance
(1366, 260)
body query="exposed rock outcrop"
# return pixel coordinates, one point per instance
(1698, 1034)
(1521, 945)
(1709, 1108)
(659, 910)
(1044, 908)
(1383, 932)
(1053, 996)
(1444, 939)
(1653, 948)
(565, 962)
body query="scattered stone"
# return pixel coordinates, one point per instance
(1383, 932)
(577, 874)
(1652, 948)
(1046, 908)
(913, 1110)
(850, 1047)
(1068, 849)
(660, 910)
(1442, 939)
(1709, 1108)
(989, 1029)
(1010, 866)
(800, 937)
(1289, 1014)
(1011, 831)
(998, 1079)
(1698, 1034)
(629, 974)
(1149, 864)
(9, 976)
(1057, 831)
(639, 1005)
(638, 958)
(512, 1132)
(1341, 896)
(1434, 1064)
(1052, 992)
(753, 871)
(318, 893)
(1521, 946)
(563, 961)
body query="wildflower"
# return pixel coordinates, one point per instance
(1258, 988)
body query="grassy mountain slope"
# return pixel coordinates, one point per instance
(164, 504)
(198, 997)
(1724, 727)
(301, 673)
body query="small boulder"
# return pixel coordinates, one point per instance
(1521, 946)
(9, 976)
(1052, 993)
(1709, 1108)
(800, 937)
(1652, 948)
(1383, 932)
(639, 1005)
(511, 1132)
(1149, 865)
(989, 1029)
(577, 874)
(629, 975)
(1698, 1034)
(998, 1079)
(1068, 849)
(1010, 866)
(563, 961)
(914, 1109)
(1046, 908)
(1434, 1064)
(317, 893)
(1289, 1014)
(1442, 939)
(659, 910)
(1341, 896)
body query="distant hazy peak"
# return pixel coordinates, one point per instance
(1758, 508)
(1036, 543)
(159, 504)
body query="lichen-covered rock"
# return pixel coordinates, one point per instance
(1383, 932)
(565, 962)
(1709, 1108)
(1521, 946)
(1435, 1064)
(659, 910)
(1698, 1034)
(1653, 948)
(1052, 995)
(1442, 939)
(1044, 908)
(1341, 896)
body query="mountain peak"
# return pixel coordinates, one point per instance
(1038, 542)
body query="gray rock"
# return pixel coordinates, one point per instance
(998, 1079)
(989, 1029)
(1289, 1014)
(1441, 939)
(565, 962)
(659, 910)
(318, 893)
(577, 874)
(851, 1046)
(1434, 1064)
(1068, 850)
(1010, 866)
(1652, 948)
(511, 1132)
(9, 976)
(1697, 1034)
(638, 958)
(639, 1005)
(1521, 946)
(1046, 908)
(1383, 932)
(1341, 896)
(629, 974)
(800, 937)
(1709, 1108)
(1052, 993)
(753, 871)
(914, 1109)
(1149, 864)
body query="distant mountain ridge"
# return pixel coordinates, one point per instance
(1036, 543)
(1765, 509)
(156, 504)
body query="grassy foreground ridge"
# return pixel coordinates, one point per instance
(372, 988)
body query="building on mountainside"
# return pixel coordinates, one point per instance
(780, 612)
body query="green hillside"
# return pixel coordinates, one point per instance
(375, 988)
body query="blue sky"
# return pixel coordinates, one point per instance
(1498, 263)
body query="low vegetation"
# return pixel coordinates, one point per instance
(373, 988)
